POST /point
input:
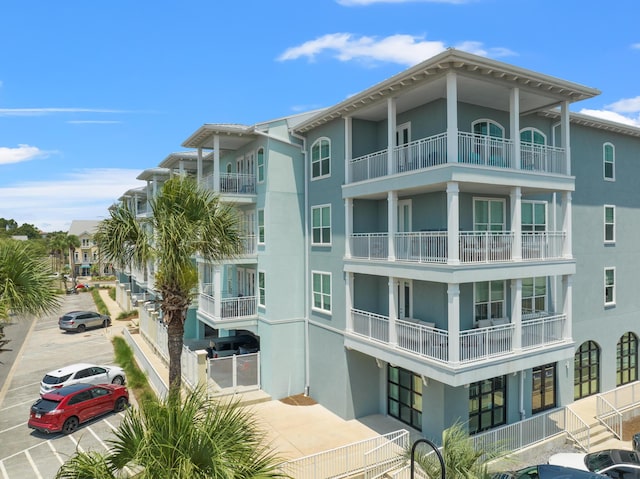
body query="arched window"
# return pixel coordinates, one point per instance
(320, 158)
(609, 161)
(488, 149)
(488, 128)
(533, 135)
(586, 370)
(532, 149)
(627, 359)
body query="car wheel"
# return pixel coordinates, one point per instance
(82, 328)
(70, 425)
(119, 380)
(121, 404)
(105, 323)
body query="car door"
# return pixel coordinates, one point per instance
(97, 375)
(82, 406)
(80, 376)
(94, 320)
(102, 400)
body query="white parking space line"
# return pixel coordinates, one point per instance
(110, 425)
(33, 465)
(14, 427)
(76, 443)
(3, 471)
(16, 405)
(55, 453)
(22, 387)
(91, 431)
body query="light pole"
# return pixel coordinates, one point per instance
(435, 449)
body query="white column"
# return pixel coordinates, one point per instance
(217, 291)
(391, 133)
(348, 148)
(348, 226)
(566, 136)
(199, 166)
(453, 223)
(516, 313)
(181, 167)
(566, 224)
(516, 223)
(392, 221)
(393, 310)
(567, 296)
(216, 163)
(452, 118)
(514, 124)
(453, 321)
(349, 300)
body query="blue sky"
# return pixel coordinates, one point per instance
(94, 92)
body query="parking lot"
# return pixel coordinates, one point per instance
(24, 452)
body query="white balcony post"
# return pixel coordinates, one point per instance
(216, 163)
(348, 148)
(391, 133)
(453, 223)
(516, 313)
(566, 136)
(452, 118)
(514, 123)
(349, 301)
(393, 310)
(348, 226)
(199, 166)
(566, 224)
(217, 291)
(516, 223)
(392, 213)
(567, 296)
(453, 321)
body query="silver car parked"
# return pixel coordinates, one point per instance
(82, 320)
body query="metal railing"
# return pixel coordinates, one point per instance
(369, 245)
(231, 374)
(485, 150)
(421, 247)
(542, 330)
(230, 308)
(420, 154)
(615, 407)
(485, 246)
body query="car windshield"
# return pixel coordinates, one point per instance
(45, 405)
(55, 379)
(597, 460)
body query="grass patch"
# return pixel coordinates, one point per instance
(136, 378)
(102, 308)
(125, 315)
(112, 293)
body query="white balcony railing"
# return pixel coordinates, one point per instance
(230, 308)
(232, 183)
(477, 150)
(475, 344)
(474, 246)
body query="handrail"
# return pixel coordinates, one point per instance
(609, 416)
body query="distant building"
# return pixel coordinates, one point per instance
(83, 259)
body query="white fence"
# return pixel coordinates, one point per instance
(615, 407)
(237, 373)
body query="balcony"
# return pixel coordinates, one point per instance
(475, 247)
(425, 341)
(476, 150)
(232, 183)
(231, 309)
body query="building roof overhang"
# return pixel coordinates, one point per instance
(231, 136)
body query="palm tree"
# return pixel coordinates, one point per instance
(185, 220)
(180, 439)
(462, 460)
(26, 287)
(71, 242)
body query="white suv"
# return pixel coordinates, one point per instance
(81, 373)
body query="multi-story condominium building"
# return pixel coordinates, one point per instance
(449, 244)
(86, 258)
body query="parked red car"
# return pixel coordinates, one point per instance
(64, 409)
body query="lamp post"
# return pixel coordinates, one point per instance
(435, 449)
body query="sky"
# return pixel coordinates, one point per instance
(94, 92)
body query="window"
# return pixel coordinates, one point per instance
(543, 394)
(260, 226)
(262, 297)
(322, 291)
(532, 135)
(627, 359)
(586, 376)
(489, 300)
(609, 286)
(488, 128)
(404, 396)
(534, 295)
(534, 216)
(609, 158)
(533, 155)
(487, 404)
(488, 147)
(321, 225)
(260, 165)
(320, 158)
(609, 224)
(488, 215)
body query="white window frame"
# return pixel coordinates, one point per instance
(262, 238)
(321, 293)
(489, 302)
(477, 199)
(262, 289)
(604, 162)
(321, 227)
(260, 165)
(612, 224)
(533, 131)
(533, 206)
(532, 299)
(321, 159)
(611, 286)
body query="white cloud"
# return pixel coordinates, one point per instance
(402, 49)
(612, 116)
(83, 194)
(20, 154)
(626, 105)
(635, 46)
(352, 3)
(48, 111)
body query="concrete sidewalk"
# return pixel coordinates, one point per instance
(293, 431)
